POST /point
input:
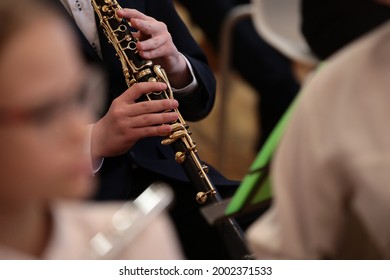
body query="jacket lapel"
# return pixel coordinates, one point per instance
(87, 48)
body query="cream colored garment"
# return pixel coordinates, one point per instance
(76, 223)
(331, 174)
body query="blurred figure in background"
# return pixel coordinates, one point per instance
(330, 174)
(330, 25)
(263, 67)
(48, 95)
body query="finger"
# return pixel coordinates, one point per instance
(153, 119)
(159, 130)
(154, 106)
(140, 36)
(152, 43)
(132, 13)
(139, 89)
(161, 52)
(149, 27)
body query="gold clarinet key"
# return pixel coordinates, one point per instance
(201, 197)
(180, 157)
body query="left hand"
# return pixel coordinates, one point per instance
(155, 43)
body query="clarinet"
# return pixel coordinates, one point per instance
(135, 70)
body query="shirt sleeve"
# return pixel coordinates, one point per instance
(96, 165)
(190, 88)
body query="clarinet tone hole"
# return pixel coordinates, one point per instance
(132, 45)
(122, 28)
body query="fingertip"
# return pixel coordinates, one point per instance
(174, 116)
(120, 13)
(134, 21)
(174, 103)
(165, 129)
(159, 86)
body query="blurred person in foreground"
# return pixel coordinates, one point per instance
(330, 174)
(47, 99)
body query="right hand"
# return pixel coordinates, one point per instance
(126, 121)
(155, 43)
(384, 2)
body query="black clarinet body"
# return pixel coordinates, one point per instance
(136, 69)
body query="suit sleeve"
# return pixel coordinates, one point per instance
(199, 103)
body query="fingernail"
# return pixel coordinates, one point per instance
(167, 129)
(134, 21)
(174, 116)
(174, 103)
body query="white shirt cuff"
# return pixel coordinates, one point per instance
(95, 164)
(192, 86)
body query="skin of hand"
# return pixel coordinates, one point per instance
(155, 43)
(128, 121)
(384, 2)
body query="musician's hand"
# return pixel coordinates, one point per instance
(155, 43)
(384, 2)
(126, 121)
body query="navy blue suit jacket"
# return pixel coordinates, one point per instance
(117, 174)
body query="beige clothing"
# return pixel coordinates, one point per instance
(76, 223)
(331, 172)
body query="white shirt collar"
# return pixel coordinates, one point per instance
(83, 14)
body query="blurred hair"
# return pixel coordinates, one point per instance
(15, 15)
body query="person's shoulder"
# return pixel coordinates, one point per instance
(358, 68)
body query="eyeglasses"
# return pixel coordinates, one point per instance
(88, 98)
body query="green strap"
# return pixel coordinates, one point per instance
(256, 185)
